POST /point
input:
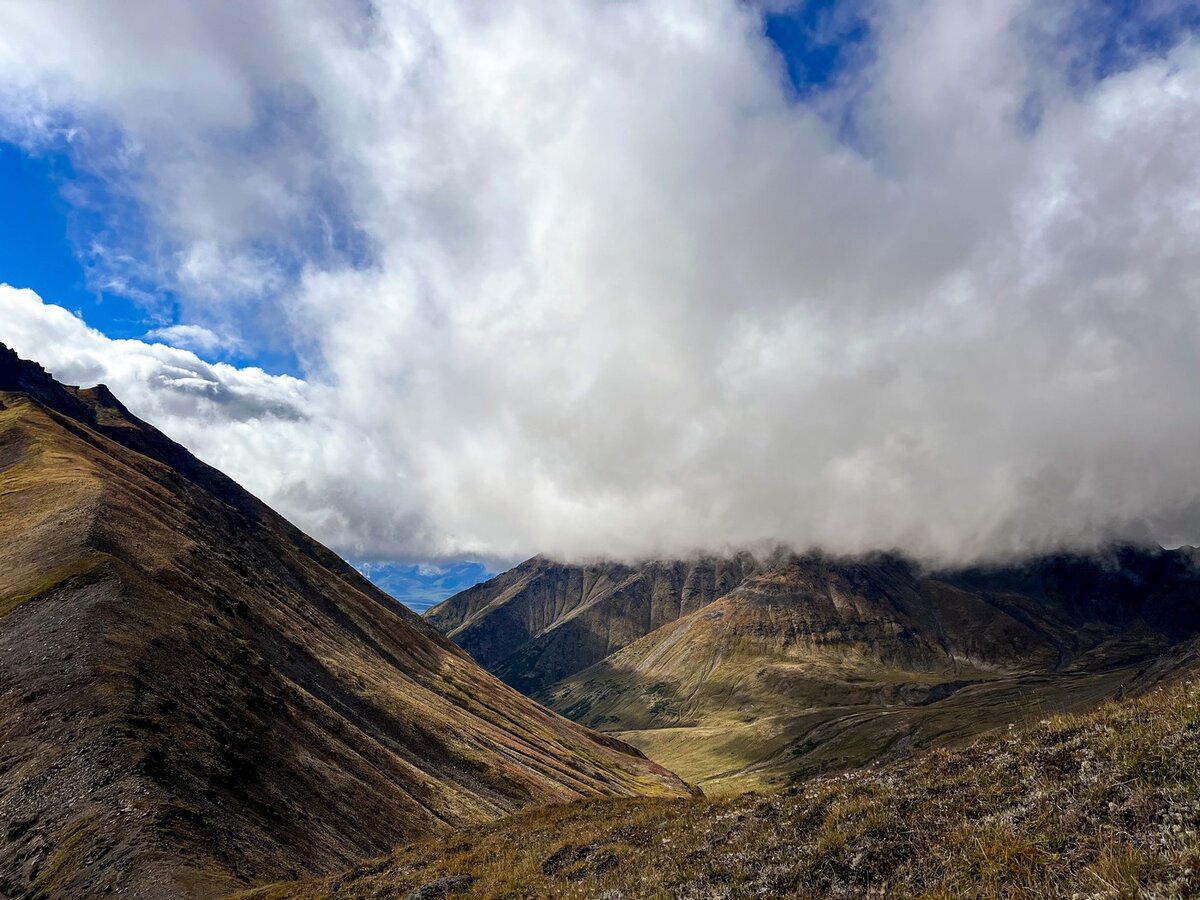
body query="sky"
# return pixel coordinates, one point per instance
(453, 283)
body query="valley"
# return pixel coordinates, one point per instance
(1103, 804)
(812, 664)
(196, 697)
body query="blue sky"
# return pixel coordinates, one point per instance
(423, 586)
(53, 218)
(42, 237)
(816, 41)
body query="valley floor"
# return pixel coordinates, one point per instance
(1104, 804)
(733, 755)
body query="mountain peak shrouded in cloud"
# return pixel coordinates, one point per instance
(601, 279)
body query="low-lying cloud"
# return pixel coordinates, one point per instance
(595, 279)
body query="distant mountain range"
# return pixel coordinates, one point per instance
(743, 673)
(196, 697)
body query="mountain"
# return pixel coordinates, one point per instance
(196, 697)
(1097, 805)
(543, 621)
(821, 663)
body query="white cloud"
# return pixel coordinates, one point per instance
(279, 436)
(584, 278)
(193, 337)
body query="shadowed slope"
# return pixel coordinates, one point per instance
(543, 621)
(195, 696)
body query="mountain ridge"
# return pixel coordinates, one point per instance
(196, 697)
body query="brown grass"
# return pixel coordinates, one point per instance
(233, 702)
(1099, 805)
(63, 865)
(46, 582)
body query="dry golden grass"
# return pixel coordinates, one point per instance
(223, 699)
(1105, 804)
(46, 503)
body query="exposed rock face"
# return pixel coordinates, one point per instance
(195, 696)
(543, 621)
(820, 662)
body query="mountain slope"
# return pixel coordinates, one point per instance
(1101, 805)
(194, 696)
(823, 663)
(543, 621)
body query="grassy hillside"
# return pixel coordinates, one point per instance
(195, 697)
(1105, 804)
(821, 664)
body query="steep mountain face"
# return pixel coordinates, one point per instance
(821, 663)
(543, 620)
(195, 697)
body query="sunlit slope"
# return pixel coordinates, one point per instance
(1099, 805)
(544, 620)
(194, 696)
(824, 663)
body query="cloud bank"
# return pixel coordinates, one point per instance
(596, 279)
